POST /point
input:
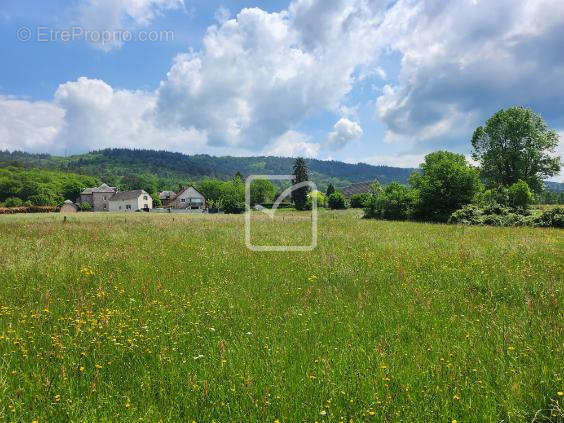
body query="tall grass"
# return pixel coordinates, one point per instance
(128, 317)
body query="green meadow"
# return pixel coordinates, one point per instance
(152, 317)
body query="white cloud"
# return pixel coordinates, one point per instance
(29, 126)
(463, 60)
(260, 74)
(293, 144)
(120, 15)
(395, 160)
(344, 132)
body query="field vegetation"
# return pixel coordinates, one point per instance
(169, 317)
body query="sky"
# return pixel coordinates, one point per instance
(373, 81)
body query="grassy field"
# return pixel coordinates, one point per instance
(161, 317)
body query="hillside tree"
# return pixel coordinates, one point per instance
(516, 144)
(301, 174)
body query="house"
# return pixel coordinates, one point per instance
(166, 197)
(98, 198)
(189, 198)
(69, 207)
(130, 201)
(358, 188)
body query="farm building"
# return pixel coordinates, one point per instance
(129, 201)
(69, 207)
(358, 188)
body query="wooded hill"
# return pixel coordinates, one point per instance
(168, 170)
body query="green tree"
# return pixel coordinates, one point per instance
(394, 202)
(359, 201)
(301, 174)
(13, 202)
(447, 183)
(262, 191)
(71, 189)
(157, 203)
(337, 201)
(212, 189)
(520, 196)
(516, 144)
(330, 189)
(233, 197)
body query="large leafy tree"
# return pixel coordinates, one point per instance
(447, 183)
(262, 191)
(301, 174)
(516, 144)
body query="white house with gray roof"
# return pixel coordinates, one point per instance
(130, 201)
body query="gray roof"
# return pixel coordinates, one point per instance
(128, 195)
(358, 188)
(68, 202)
(101, 188)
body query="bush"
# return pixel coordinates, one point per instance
(467, 215)
(491, 215)
(320, 199)
(360, 201)
(520, 196)
(552, 218)
(232, 205)
(337, 201)
(85, 207)
(395, 202)
(13, 202)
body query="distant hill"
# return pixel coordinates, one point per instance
(170, 169)
(167, 170)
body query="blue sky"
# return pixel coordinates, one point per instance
(382, 82)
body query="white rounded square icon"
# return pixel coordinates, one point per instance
(271, 212)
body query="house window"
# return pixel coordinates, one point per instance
(120, 207)
(145, 206)
(145, 198)
(183, 200)
(128, 207)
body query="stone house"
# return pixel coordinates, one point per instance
(69, 207)
(98, 197)
(130, 201)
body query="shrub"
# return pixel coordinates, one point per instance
(359, 201)
(85, 207)
(520, 195)
(13, 202)
(395, 202)
(491, 215)
(337, 201)
(320, 199)
(552, 218)
(467, 215)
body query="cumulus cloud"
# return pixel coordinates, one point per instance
(462, 60)
(260, 74)
(120, 15)
(28, 125)
(293, 144)
(344, 132)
